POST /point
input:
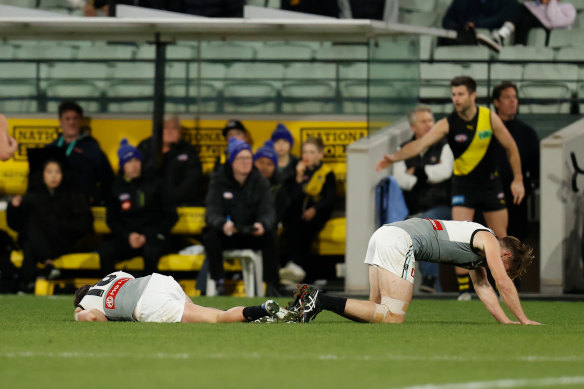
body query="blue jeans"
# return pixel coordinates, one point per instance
(442, 212)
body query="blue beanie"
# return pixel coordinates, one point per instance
(236, 146)
(127, 152)
(266, 151)
(282, 132)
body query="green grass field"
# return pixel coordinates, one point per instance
(442, 343)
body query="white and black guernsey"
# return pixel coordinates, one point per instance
(116, 296)
(444, 241)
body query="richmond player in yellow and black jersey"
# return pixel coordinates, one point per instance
(475, 185)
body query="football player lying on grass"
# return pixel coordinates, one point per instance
(391, 256)
(157, 298)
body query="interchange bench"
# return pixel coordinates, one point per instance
(191, 221)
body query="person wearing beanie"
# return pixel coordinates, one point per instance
(233, 129)
(283, 142)
(240, 214)
(90, 169)
(266, 160)
(180, 167)
(139, 213)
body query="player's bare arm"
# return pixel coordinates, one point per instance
(89, 315)
(488, 243)
(507, 141)
(414, 148)
(487, 295)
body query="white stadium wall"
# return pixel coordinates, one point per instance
(562, 212)
(362, 156)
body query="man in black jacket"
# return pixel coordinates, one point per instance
(87, 163)
(506, 104)
(139, 214)
(180, 167)
(240, 214)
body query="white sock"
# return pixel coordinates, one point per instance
(506, 30)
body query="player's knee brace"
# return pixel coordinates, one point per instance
(390, 311)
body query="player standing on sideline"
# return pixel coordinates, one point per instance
(392, 253)
(160, 299)
(8, 144)
(476, 184)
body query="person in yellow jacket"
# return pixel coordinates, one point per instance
(311, 207)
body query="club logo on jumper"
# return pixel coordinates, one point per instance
(501, 195)
(485, 134)
(124, 197)
(183, 157)
(227, 195)
(32, 137)
(436, 225)
(461, 138)
(457, 200)
(110, 299)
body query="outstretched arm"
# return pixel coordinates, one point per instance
(508, 143)
(89, 315)
(488, 296)
(487, 242)
(414, 148)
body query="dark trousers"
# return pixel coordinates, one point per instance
(525, 22)
(216, 242)
(39, 244)
(299, 236)
(114, 250)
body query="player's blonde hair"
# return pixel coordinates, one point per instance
(521, 256)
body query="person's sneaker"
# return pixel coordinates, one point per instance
(292, 272)
(428, 285)
(464, 297)
(280, 314)
(488, 42)
(306, 303)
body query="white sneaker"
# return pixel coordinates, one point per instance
(292, 272)
(489, 42)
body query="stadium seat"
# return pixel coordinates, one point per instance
(309, 88)
(252, 87)
(578, 4)
(47, 50)
(6, 51)
(382, 96)
(562, 37)
(525, 53)
(506, 72)
(251, 268)
(19, 87)
(570, 54)
(447, 71)
(536, 37)
(461, 53)
(228, 50)
(395, 49)
(343, 52)
(284, 51)
(179, 101)
(548, 87)
(353, 71)
(417, 5)
(425, 19)
(106, 51)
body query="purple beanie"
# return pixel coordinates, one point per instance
(236, 146)
(266, 151)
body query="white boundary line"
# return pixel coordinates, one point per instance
(316, 357)
(508, 383)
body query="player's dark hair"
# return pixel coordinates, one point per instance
(521, 256)
(80, 293)
(316, 142)
(501, 87)
(470, 84)
(70, 106)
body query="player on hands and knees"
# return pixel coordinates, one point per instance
(157, 298)
(392, 254)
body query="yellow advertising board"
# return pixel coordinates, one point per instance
(206, 135)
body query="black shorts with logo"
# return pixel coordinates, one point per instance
(483, 196)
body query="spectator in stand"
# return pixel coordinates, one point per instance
(317, 7)
(209, 8)
(310, 209)
(92, 7)
(265, 161)
(240, 214)
(386, 10)
(283, 142)
(53, 218)
(506, 104)
(8, 144)
(425, 181)
(233, 129)
(464, 16)
(548, 14)
(180, 167)
(89, 166)
(139, 214)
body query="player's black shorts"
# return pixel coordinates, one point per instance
(483, 196)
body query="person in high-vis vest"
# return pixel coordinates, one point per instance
(475, 183)
(312, 205)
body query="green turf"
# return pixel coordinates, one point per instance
(441, 342)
